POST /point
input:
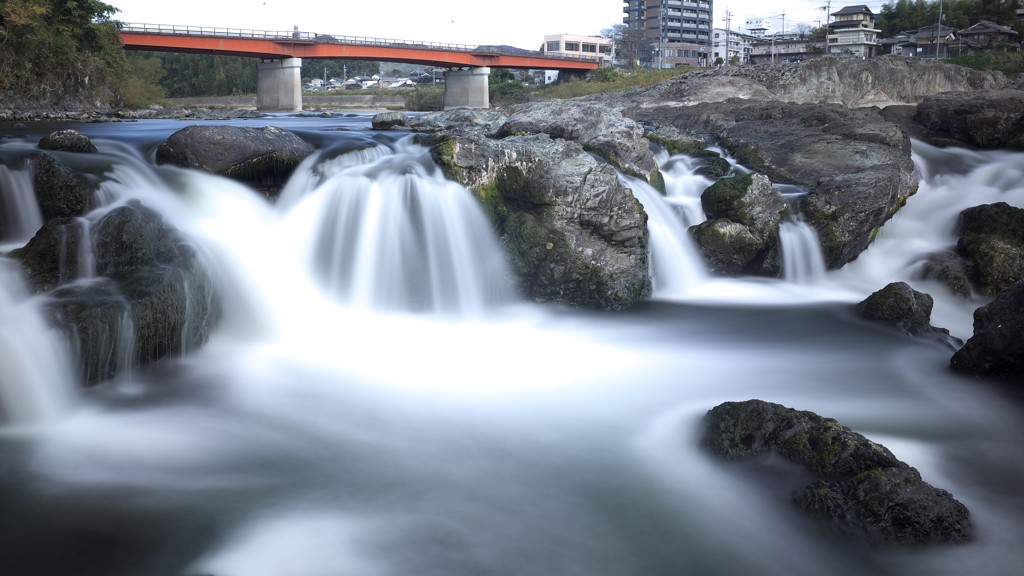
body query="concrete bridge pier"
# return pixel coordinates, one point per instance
(279, 85)
(467, 88)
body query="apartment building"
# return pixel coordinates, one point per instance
(728, 43)
(574, 45)
(659, 22)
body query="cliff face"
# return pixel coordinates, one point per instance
(853, 83)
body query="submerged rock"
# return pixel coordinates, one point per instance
(67, 141)
(741, 234)
(863, 491)
(262, 157)
(997, 346)
(951, 269)
(59, 191)
(992, 239)
(907, 309)
(50, 258)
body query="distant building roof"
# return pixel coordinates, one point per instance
(860, 9)
(986, 25)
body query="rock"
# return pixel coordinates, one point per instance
(863, 491)
(388, 120)
(59, 191)
(152, 298)
(67, 141)
(997, 346)
(593, 125)
(905, 308)
(50, 258)
(741, 235)
(256, 156)
(950, 268)
(573, 235)
(992, 239)
(18, 125)
(857, 165)
(986, 119)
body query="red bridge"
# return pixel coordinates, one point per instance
(279, 83)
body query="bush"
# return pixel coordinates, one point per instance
(424, 98)
(604, 74)
(1009, 63)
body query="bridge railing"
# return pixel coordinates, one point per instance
(312, 37)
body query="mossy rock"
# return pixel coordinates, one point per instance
(59, 191)
(442, 152)
(992, 239)
(50, 258)
(657, 180)
(863, 493)
(67, 141)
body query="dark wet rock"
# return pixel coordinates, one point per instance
(96, 319)
(50, 258)
(573, 235)
(950, 269)
(388, 120)
(741, 235)
(997, 346)
(864, 491)
(67, 141)
(59, 191)
(257, 156)
(985, 119)
(905, 308)
(992, 239)
(152, 296)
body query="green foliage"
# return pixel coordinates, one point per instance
(56, 49)
(424, 98)
(603, 74)
(734, 60)
(719, 60)
(198, 75)
(1009, 63)
(900, 15)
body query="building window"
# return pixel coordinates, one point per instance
(716, 34)
(606, 49)
(553, 46)
(572, 46)
(590, 48)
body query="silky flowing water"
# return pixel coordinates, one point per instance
(377, 400)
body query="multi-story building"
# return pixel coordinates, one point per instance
(658, 22)
(853, 33)
(728, 43)
(574, 45)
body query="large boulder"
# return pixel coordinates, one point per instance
(67, 141)
(983, 119)
(997, 346)
(857, 165)
(388, 120)
(262, 157)
(905, 308)
(864, 492)
(151, 298)
(59, 191)
(741, 234)
(992, 240)
(573, 235)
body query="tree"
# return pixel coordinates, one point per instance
(803, 30)
(631, 43)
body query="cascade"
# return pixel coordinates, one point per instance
(802, 259)
(20, 216)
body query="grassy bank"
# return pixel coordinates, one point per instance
(1009, 63)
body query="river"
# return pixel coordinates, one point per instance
(377, 401)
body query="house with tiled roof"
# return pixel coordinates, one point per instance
(990, 34)
(853, 33)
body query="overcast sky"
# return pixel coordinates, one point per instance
(521, 23)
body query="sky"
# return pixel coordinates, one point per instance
(452, 21)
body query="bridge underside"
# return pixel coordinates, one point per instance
(279, 87)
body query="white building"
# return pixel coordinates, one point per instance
(853, 33)
(758, 27)
(728, 43)
(581, 46)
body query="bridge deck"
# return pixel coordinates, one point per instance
(269, 45)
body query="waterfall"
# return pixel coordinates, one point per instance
(36, 380)
(20, 216)
(677, 267)
(387, 231)
(802, 259)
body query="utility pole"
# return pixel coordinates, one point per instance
(938, 31)
(828, 12)
(728, 34)
(661, 35)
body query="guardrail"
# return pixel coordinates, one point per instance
(316, 38)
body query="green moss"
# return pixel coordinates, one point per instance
(442, 152)
(658, 181)
(752, 159)
(723, 199)
(268, 169)
(611, 159)
(675, 147)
